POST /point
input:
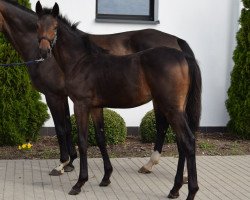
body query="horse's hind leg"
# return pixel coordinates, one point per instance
(97, 117)
(186, 148)
(161, 128)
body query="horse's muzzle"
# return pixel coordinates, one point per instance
(45, 53)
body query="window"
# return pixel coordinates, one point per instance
(130, 11)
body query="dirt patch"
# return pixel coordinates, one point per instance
(207, 144)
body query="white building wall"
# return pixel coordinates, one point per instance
(209, 26)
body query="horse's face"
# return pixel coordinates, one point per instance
(47, 34)
(46, 29)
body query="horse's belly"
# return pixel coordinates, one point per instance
(124, 101)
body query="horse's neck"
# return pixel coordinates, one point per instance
(17, 30)
(69, 49)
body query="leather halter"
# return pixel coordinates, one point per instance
(51, 42)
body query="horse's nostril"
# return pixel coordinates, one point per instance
(43, 53)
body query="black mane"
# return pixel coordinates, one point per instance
(64, 19)
(90, 46)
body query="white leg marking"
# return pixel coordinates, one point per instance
(185, 173)
(61, 166)
(154, 159)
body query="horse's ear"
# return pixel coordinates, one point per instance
(39, 8)
(55, 10)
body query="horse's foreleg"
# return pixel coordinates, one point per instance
(186, 148)
(97, 117)
(69, 139)
(161, 127)
(82, 116)
(57, 108)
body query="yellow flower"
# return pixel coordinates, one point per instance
(19, 147)
(29, 145)
(24, 146)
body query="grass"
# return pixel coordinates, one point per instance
(236, 149)
(206, 145)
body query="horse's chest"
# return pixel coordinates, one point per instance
(78, 88)
(47, 81)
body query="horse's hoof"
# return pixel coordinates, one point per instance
(173, 196)
(69, 168)
(185, 180)
(143, 170)
(105, 183)
(74, 191)
(55, 172)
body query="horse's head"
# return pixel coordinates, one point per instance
(47, 29)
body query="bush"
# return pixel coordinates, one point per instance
(148, 129)
(21, 112)
(114, 128)
(238, 102)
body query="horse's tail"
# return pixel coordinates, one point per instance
(193, 104)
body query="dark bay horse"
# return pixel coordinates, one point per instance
(48, 78)
(95, 79)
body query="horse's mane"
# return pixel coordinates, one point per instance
(91, 47)
(64, 19)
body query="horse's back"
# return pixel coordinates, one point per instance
(135, 41)
(151, 38)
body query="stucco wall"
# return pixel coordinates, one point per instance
(209, 26)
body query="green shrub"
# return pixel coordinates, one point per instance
(148, 129)
(238, 102)
(114, 128)
(21, 112)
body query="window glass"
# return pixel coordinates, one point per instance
(127, 11)
(124, 7)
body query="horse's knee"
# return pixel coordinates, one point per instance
(100, 141)
(61, 131)
(100, 138)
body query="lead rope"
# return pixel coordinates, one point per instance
(23, 63)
